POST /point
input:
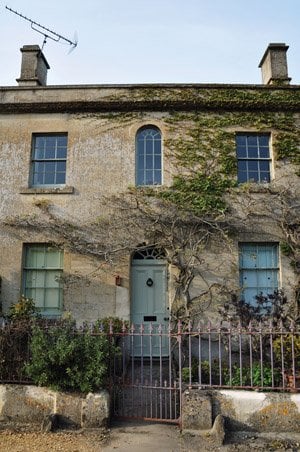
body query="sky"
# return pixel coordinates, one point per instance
(151, 41)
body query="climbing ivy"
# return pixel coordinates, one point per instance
(202, 149)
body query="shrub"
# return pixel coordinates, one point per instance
(24, 309)
(286, 342)
(257, 380)
(70, 360)
(210, 372)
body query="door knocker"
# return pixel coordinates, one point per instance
(149, 282)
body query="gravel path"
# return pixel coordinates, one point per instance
(46, 442)
(130, 437)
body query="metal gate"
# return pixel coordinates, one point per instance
(145, 385)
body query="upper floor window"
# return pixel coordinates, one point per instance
(49, 158)
(258, 264)
(42, 271)
(253, 158)
(148, 156)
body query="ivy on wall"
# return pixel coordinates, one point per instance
(202, 151)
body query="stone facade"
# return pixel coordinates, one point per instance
(101, 123)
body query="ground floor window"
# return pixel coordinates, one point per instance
(259, 269)
(42, 277)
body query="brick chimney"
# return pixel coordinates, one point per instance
(34, 67)
(274, 65)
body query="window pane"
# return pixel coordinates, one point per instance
(253, 165)
(53, 258)
(258, 269)
(264, 165)
(264, 153)
(157, 177)
(263, 140)
(41, 284)
(38, 179)
(49, 167)
(240, 139)
(140, 161)
(39, 167)
(39, 154)
(241, 151)
(252, 140)
(61, 166)
(52, 298)
(148, 156)
(140, 178)
(35, 257)
(157, 162)
(242, 177)
(252, 148)
(157, 147)
(62, 141)
(60, 178)
(149, 161)
(38, 278)
(50, 153)
(253, 176)
(49, 149)
(252, 152)
(265, 177)
(38, 297)
(149, 147)
(61, 153)
(242, 165)
(49, 179)
(149, 177)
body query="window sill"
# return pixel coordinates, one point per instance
(255, 187)
(66, 190)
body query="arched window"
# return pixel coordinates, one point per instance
(148, 156)
(150, 253)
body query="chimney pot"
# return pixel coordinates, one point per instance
(34, 67)
(274, 65)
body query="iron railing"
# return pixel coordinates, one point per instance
(258, 356)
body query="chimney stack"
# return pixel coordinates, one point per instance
(274, 65)
(34, 67)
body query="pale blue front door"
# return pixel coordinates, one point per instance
(148, 306)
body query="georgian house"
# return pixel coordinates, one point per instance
(148, 202)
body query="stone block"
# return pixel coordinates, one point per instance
(95, 410)
(25, 404)
(68, 409)
(196, 410)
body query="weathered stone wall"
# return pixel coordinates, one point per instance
(32, 406)
(101, 163)
(242, 410)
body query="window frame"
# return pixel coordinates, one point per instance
(34, 160)
(44, 272)
(257, 271)
(156, 157)
(258, 159)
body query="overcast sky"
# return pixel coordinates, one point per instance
(152, 41)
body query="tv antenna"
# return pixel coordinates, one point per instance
(46, 32)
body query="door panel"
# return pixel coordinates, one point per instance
(148, 287)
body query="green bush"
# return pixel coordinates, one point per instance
(257, 380)
(211, 372)
(66, 359)
(24, 309)
(286, 342)
(208, 371)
